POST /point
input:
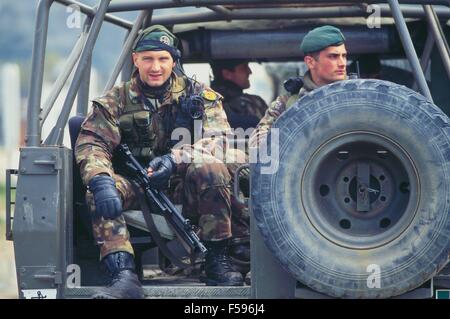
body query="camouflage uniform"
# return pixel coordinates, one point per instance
(238, 102)
(281, 104)
(202, 182)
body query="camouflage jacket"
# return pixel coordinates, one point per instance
(281, 104)
(109, 121)
(235, 100)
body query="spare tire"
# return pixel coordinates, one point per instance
(358, 206)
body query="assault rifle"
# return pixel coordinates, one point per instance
(158, 202)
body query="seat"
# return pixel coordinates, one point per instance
(136, 219)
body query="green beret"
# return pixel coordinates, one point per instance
(321, 38)
(156, 38)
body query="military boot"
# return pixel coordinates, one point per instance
(248, 278)
(218, 266)
(124, 281)
(239, 250)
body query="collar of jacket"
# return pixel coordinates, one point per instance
(226, 88)
(155, 92)
(166, 95)
(308, 83)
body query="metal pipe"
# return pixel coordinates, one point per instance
(126, 50)
(183, 18)
(133, 5)
(290, 13)
(83, 90)
(220, 9)
(90, 12)
(439, 37)
(127, 66)
(148, 19)
(64, 75)
(415, 11)
(263, 13)
(33, 135)
(57, 133)
(62, 78)
(408, 46)
(284, 44)
(426, 54)
(127, 69)
(425, 58)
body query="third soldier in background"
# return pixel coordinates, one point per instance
(231, 78)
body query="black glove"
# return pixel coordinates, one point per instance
(106, 197)
(163, 167)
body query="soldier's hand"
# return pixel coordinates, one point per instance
(160, 169)
(106, 197)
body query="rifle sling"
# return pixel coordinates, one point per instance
(159, 241)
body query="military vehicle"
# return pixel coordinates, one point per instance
(358, 206)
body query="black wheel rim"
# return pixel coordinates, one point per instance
(360, 190)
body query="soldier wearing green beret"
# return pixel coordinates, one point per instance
(231, 78)
(326, 58)
(143, 113)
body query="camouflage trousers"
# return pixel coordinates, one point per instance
(205, 191)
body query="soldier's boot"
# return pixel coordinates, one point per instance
(218, 266)
(248, 278)
(241, 252)
(240, 255)
(124, 281)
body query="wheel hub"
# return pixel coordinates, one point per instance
(362, 184)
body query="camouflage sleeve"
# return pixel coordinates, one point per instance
(215, 120)
(215, 128)
(99, 136)
(273, 112)
(260, 105)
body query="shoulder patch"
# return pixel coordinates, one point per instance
(209, 95)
